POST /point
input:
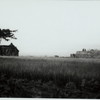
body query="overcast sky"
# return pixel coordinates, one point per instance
(52, 27)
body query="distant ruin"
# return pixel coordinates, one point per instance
(9, 50)
(86, 54)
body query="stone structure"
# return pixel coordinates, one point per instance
(9, 50)
(86, 54)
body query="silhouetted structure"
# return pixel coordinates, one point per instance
(8, 50)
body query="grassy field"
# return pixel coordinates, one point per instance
(48, 77)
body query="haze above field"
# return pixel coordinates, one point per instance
(47, 27)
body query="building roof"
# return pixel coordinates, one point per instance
(7, 46)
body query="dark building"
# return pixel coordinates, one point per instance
(9, 50)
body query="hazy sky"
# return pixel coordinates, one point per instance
(52, 27)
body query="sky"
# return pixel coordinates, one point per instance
(51, 27)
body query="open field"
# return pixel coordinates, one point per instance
(49, 77)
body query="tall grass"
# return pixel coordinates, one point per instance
(65, 73)
(55, 69)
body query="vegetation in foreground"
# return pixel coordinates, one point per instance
(49, 77)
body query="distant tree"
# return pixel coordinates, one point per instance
(6, 34)
(56, 56)
(73, 55)
(83, 50)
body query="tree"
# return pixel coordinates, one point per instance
(6, 34)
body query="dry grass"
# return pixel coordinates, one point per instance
(61, 72)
